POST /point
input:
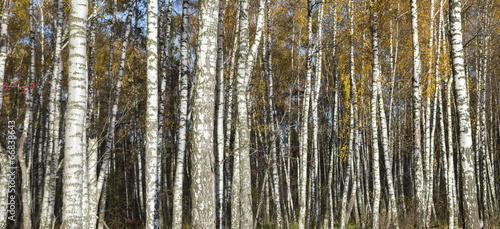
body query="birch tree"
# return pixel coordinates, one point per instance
(4, 41)
(183, 113)
(393, 216)
(3, 159)
(203, 213)
(334, 120)
(417, 156)
(373, 111)
(469, 198)
(304, 123)
(314, 109)
(22, 153)
(220, 117)
(74, 146)
(344, 214)
(246, 220)
(152, 115)
(54, 117)
(272, 121)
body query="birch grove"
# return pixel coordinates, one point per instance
(249, 114)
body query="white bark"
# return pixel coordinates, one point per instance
(417, 157)
(314, 109)
(451, 170)
(469, 198)
(242, 78)
(334, 127)
(273, 123)
(4, 181)
(428, 159)
(373, 111)
(183, 110)
(344, 215)
(93, 196)
(3, 53)
(393, 215)
(236, 183)
(3, 157)
(220, 117)
(252, 54)
(22, 153)
(152, 115)
(304, 123)
(203, 191)
(75, 116)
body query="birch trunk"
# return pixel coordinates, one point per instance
(272, 120)
(229, 121)
(246, 219)
(75, 116)
(393, 216)
(183, 109)
(164, 41)
(203, 190)
(252, 54)
(53, 132)
(440, 94)
(304, 123)
(22, 153)
(152, 115)
(236, 183)
(220, 117)
(451, 170)
(373, 111)
(417, 157)
(90, 166)
(314, 109)
(469, 198)
(427, 132)
(344, 216)
(4, 42)
(4, 181)
(333, 149)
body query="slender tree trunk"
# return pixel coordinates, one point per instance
(451, 170)
(252, 53)
(53, 132)
(244, 60)
(417, 157)
(344, 213)
(314, 109)
(469, 198)
(333, 149)
(74, 146)
(427, 132)
(4, 42)
(203, 191)
(304, 123)
(3, 158)
(272, 120)
(183, 109)
(393, 215)
(220, 117)
(152, 115)
(22, 152)
(235, 191)
(375, 86)
(164, 41)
